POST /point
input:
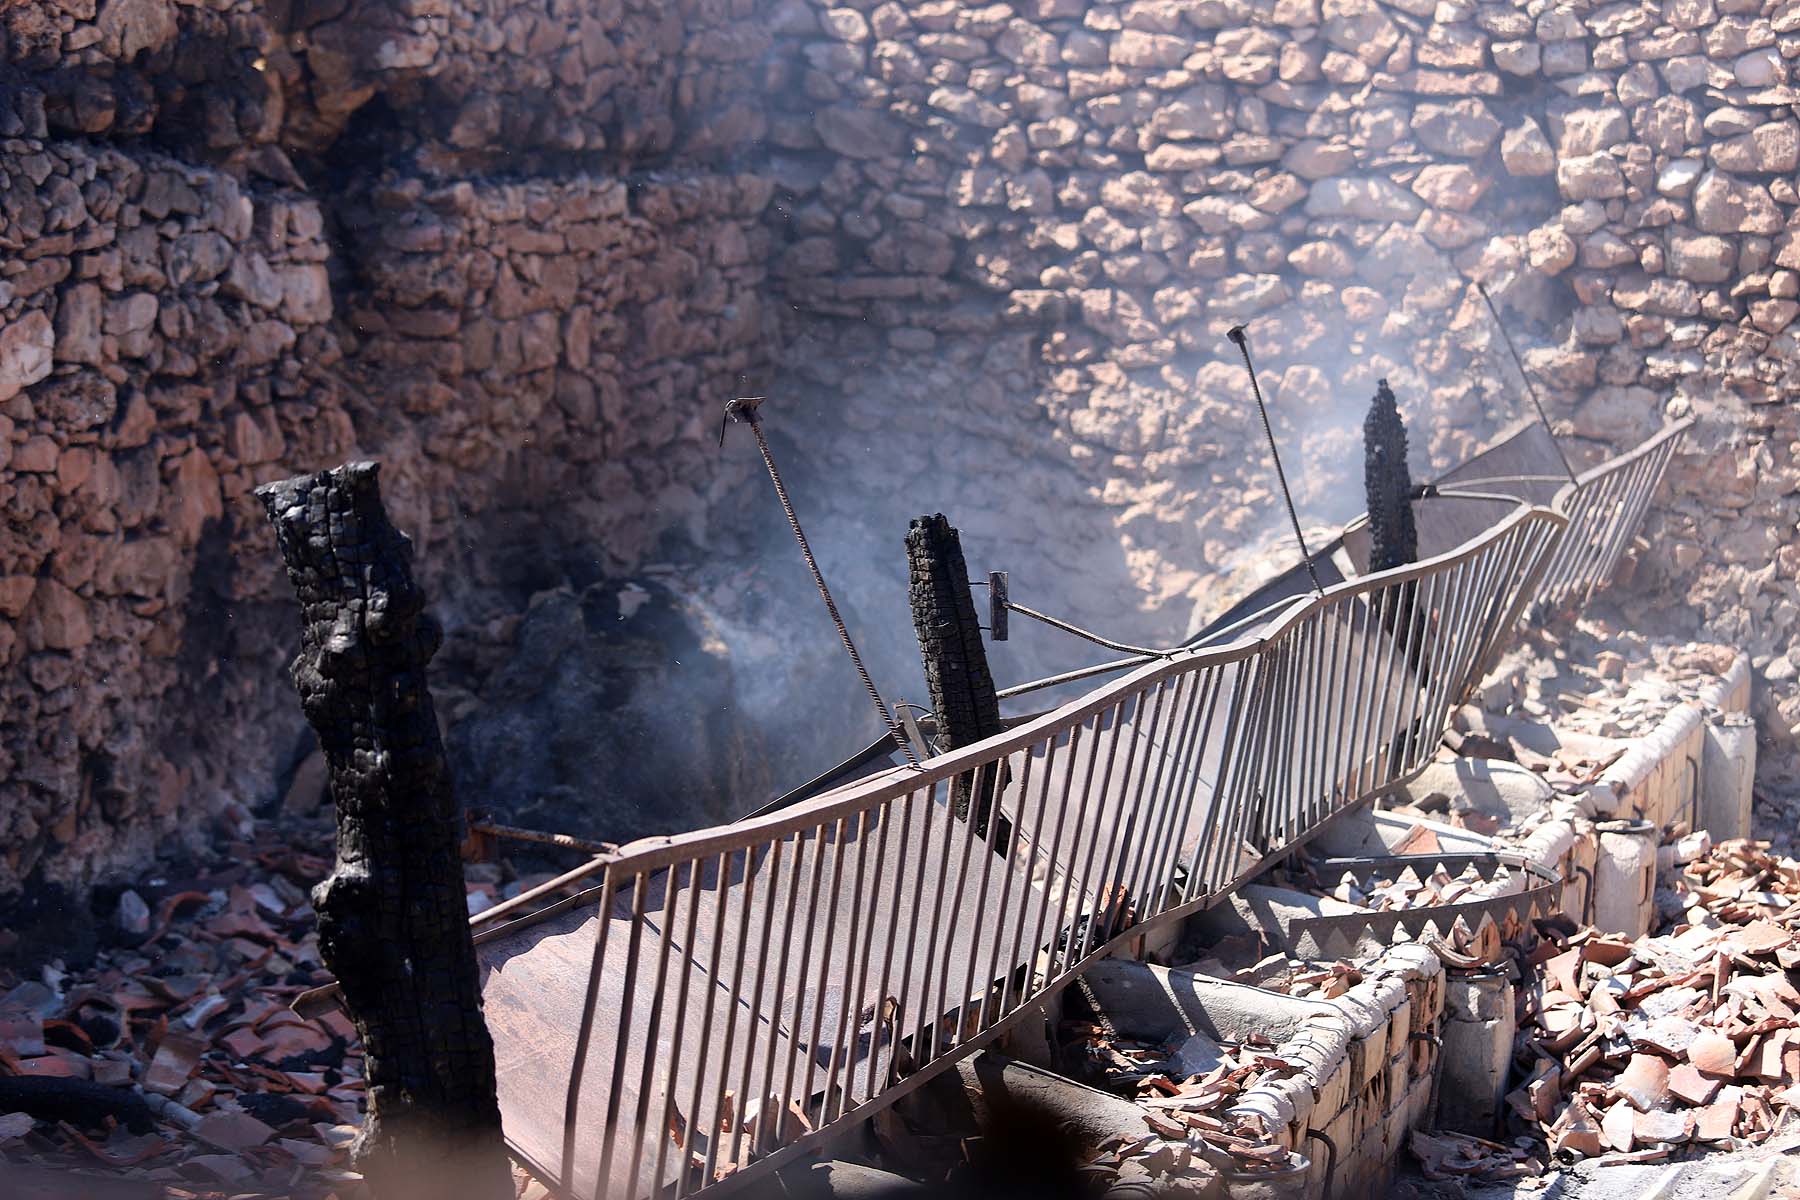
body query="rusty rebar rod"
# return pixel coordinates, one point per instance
(1237, 335)
(513, 833)
(1530, 388)
(743, 409)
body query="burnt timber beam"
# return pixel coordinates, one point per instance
(956, 666)
(393, 920)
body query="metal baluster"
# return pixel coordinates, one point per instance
(676, 1058)
(1305, 795)
(1085, 879)
(887, 957)
(1196, 879)
(1251, 758)
(808, 919)
(865, 921)
(1052, 859)
(1418, 641)
(646, 1080)
(1634, 498)
(826, 947)
(1453, 634)
(623, 1040)
(706, 1021)
(756, 1011)
(1624, 526)
(776, 1004)
(1605, 517)
(1361, 697)
(905, 1019)
(1453, 631)
(1337, 690)
(746, 902)
(1579, 533)
(1497, 606)
(927, 1050)
(955, 927)
(1152, 862)
(1208, 833)
(1013, 966)
(970, 997)
(578, 1068)
(1104, 889)
(1493, 600)
(1393, 661)
(1190, 752)
(1277, 776)
(746, 896)
(1241, 736)
(1127, 842)
(1006, 887)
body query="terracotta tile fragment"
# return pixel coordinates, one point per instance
(57, 1064)
(243, 1043)
(1576, 1132)
(233, 1130)
(1617, 1126)
(1759, 937)
(1715, 1122)
(175, 1060)
(1766, 1061)
(1714, 1054)
(1644, 1081)
(1651, 1127)
(1688, 1085)
(1565, 971)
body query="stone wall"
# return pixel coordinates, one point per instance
(248, 240)
(1053, 211)
(982, 256)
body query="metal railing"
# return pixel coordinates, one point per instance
(1605, 506)
(725, 999)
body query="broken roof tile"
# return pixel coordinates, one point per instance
(1644, 1081)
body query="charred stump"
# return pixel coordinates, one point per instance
(956, 667)
(1393, 538)
(1393, 535)
(393, 920)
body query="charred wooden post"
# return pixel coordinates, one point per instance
(956, 667)
(393, 921)
(1393, 538)
(1393, 534)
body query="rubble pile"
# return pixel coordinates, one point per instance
(1186, 1092)
(1444, 1155)
(1637, 1049)
(174, 1056)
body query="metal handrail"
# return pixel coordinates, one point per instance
(735, 970)
(1604, 505)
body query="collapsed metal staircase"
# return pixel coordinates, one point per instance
(724, 1000)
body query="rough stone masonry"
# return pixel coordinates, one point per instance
(520, 251)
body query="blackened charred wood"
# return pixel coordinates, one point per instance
(956, 666)
(1393, 538)
(393, 920)
(78, 1101)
